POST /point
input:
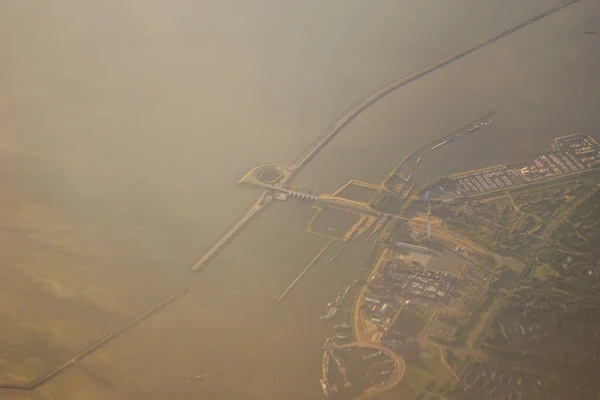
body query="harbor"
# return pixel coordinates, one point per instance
(266, 266)
(333, 307)
(568, 154)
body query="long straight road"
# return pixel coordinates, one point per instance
(261, 203)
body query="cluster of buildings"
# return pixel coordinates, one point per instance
(420, 284)
(567, 154)
(380, 309)
(486, 181)
(407, 278)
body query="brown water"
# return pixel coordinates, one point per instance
(125, 125)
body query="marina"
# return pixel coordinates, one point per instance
(333, 307)
(567, 154)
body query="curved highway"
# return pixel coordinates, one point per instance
(337, 127)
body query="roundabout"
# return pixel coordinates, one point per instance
(267, 176)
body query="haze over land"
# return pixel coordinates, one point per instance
(124, 127)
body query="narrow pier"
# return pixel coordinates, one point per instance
(336, 256)
(310, 264)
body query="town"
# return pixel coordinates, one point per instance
(571, 153)
(495, 272)
(448, 288)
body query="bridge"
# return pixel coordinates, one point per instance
(299, 195)
(338, 203)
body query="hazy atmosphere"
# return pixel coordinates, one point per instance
(127, 133)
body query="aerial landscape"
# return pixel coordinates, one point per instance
(262, 200)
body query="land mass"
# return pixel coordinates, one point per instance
(458, 296)
(473, 284)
